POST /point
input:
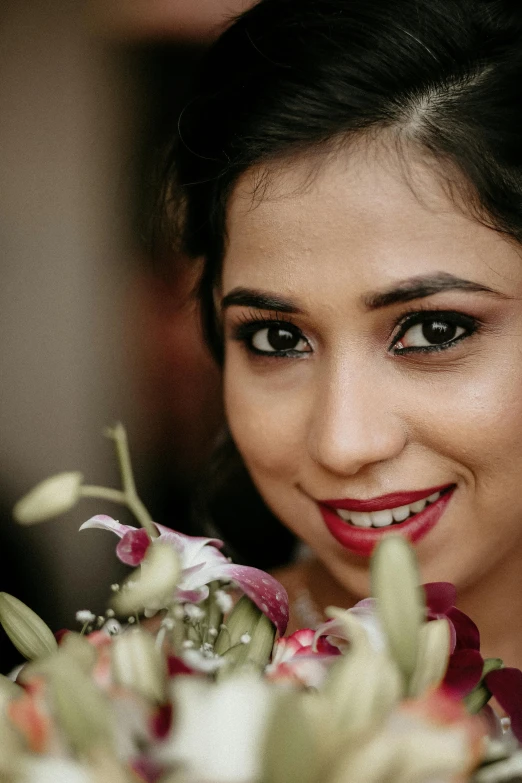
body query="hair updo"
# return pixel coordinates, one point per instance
(295, 76)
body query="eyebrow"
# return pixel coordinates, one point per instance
(405, 291)
(420, 287)
(247, 297)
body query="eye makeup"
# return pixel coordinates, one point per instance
(433, 330)
(443, 328)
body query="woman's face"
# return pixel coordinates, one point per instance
(374, 358)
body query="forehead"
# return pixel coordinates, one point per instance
(362, 218)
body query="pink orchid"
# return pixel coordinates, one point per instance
(298, 658)
(201, 563)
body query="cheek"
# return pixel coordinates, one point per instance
(266, 416)
(476, 419)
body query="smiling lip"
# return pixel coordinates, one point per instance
(362, 541)
(393, 500)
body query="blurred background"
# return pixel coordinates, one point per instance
(93, 328)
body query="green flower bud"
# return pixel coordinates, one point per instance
(247, 639)
(49, 499)
(81, 709)
(137, 664)
(432, 660)
(400, 602)
(29, 634)
(292, 745)
(153, 584)
(363, 685)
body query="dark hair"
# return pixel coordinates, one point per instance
(294, 76)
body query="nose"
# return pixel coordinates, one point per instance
(354, 421)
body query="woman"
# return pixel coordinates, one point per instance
(350, 174)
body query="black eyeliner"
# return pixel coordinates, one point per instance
(467, 322)
(244, 331)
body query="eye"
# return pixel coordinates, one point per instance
(279, 339)
(271, 337)
(436, 331)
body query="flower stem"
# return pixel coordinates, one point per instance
(119, 436)
(131, 499)
(103, 493)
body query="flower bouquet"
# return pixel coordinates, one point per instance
(188, 677)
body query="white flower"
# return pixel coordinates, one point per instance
(219, 731)
(40, 769)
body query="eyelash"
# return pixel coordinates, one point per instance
(252, 323)
(470, 325)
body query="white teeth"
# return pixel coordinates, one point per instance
(382, 518)
(360, 519)
(419, 505)
(386, 516)
(401, 513)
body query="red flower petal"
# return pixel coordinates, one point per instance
(161, 721)
(132, 547)
(266, 592)
(324, 647)
(464, 672)
(147, 769)
(176, 666)
(440, 597)
(468, 636)
(506, 687)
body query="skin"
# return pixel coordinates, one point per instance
(348, 417)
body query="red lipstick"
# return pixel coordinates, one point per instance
(393, 500)
(362, 541)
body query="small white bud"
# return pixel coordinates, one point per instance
(109, 613)
(85, 616)
(193, 612)
(188, 644)
(245, 638)
(131, 620)
(224, 601)
(114, 588)
(49, 499)
(112, 627)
